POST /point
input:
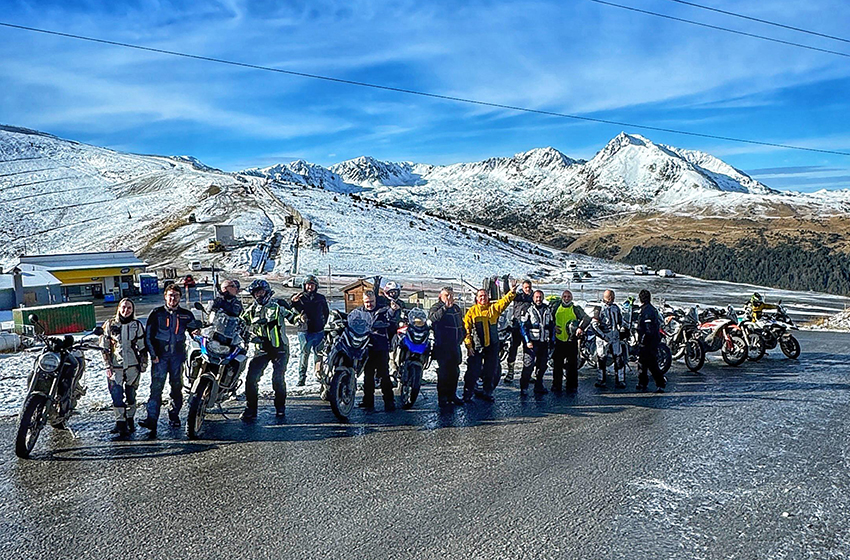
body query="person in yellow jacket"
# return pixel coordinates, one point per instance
(756, 307)
(482, 342)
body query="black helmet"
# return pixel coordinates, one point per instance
(310, 279)
(260, 284)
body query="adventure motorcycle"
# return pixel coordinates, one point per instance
(342, 359)
(752, 335)
(411, 356)
(53, 387)
(214, 367)
(681, 334)
(719, 332)
(775, 330)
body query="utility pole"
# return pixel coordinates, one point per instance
(295, 250)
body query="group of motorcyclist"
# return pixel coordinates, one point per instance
(544, 330)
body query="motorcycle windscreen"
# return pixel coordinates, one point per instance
(417, 317)
(225, 326)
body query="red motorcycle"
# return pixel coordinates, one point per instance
(718, 331)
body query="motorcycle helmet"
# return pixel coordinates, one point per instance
(392, 290)
(756, 299)
(256, 286)
(310, 279)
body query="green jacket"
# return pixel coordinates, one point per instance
(266, 323)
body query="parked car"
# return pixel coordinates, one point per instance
(196, 266)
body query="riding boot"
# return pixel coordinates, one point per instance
(509, 377)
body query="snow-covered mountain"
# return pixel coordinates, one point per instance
(64, 196)
(630, 174)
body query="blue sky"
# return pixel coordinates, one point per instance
(571, 56)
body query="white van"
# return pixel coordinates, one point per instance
(641, 270)
(196, 266)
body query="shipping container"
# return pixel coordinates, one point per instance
(63, 318)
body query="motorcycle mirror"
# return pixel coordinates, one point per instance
(97, 331)
(199, 306)
(33, 318)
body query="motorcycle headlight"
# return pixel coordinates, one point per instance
(49, 362)
(216, 347)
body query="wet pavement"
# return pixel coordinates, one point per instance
(749, 462)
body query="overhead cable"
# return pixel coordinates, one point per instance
(719, 28)
(421, 93)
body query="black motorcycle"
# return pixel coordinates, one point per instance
(53, 387)
(342, 359)
(682, 336)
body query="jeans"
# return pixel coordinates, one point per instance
(309, 343)
(170, 366)
(278, 359)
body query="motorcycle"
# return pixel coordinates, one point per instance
(53, 387)
(214, 368)
(752, 335)
(681, 334)
(719, 332)
(775, 328)
(342, 359)
(411, 356)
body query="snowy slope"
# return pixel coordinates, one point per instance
(63, 196)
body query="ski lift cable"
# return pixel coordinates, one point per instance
(428, 94)
(759, 20)
(719, 28)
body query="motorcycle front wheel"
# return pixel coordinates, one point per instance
(790, 346)
(755, 346)
(694, 355)
(665, 358)
(32, 419)
(410, 383)
(734, 350)
(341, 393)
(198, 409)
(677, 348)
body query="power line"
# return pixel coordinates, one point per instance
(423, 93)
(766, 22)
(719, 28)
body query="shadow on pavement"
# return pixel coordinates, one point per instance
(310, 419)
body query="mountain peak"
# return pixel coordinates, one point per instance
(546, 158)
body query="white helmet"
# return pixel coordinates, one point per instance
(392, 286)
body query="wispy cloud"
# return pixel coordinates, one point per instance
(582, 59)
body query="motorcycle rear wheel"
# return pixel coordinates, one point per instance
(198, 409)
(341, 394)
(790, 346)
(32, 419)
(694, 355)
(734, 350)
